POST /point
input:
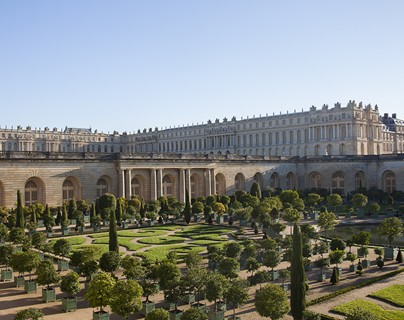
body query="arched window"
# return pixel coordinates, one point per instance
(360, 180)
(167, 186)
(31, 193)
(316, 150)
(329, 150)
(389, 181)
(315, 180)
(338, 183)
(341, 149)
(195, 186)
(258, 179)
(275, 180)
(67, 190)
(102, 187)
(239, 182)
(136, 187)
(291, 181)
(220, 184)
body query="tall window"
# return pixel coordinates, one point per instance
(136, 187)
(31, 193)
(239, 182)
(220, 184)
(102, 187)
(67, 190)
(315, 180)
(291, 181)
(275, 180)
(360, 180)
(167, 186)
(194, 186)
(389, 182)
(338, 183)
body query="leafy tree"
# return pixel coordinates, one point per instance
(29, 314)
(106, 203)
(195, 280)
(64, 222)
(194, 314)
(271, 301)
(327, 221)
(374, 208)
(113, 233)
(298, 277)
(20, 220)
(126, 298)
(187, 208)
(256, 190)
(272, 258)
(334, 200)
(3, 232)
(24, 262)
(6, 253)
(197, 207)
(216, 288)
(62, 247)
(359, 200)
(313, 199)
(219, 208)
(79, 257)
(32, 225)
(47, 274)
(70, 284)
(48, 219)
(291, 215)
(229, 267)
(237, 294)
(362, 238)
(99, 293)
(88, 267)
(336, 256)
(232, 249)
(132, 267)
(168, 272)
(252, 265)
(17, 235)
(110, 261)
(337, 244)
(391, 227)
(158, 314)
(193, 259)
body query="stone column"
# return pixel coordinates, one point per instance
(121, 186)
(153, 184)
(213, 181)
(182, 185)
(128, 183)
(159, 183)
(208, 182)
(188, 181)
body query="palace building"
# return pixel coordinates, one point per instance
(338, 148)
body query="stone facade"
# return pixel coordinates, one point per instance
(339, 148)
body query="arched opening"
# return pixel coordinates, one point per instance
(329, 150)
(338, 183)
(315, 180)
(275, 180)
(239, 182)
(341, 149)
(136, 186)
(291, 181)
(70, 189)
(196, 185)
(102, 186)
(168, 185)
(360, 181)
(389, 181)
(258, 179)
(220, 184)
(33, 192)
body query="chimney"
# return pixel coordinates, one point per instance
(394, 115)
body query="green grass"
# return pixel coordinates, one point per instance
(212, 237)
(100, 248)
(160, 252)
(149, 233)
(99, 235)
(203, 242)
(74, 241)
(393, 294)
(162, 240)
(378, 311)
(128, 244)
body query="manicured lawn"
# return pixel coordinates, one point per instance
(159, 253)
(100, 248)
(128, 244)
(162, 240)
(74, 241)
(393, 294)
(212, 237)
(378, 311)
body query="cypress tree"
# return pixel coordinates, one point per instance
(118, 211)
(113, 234)
(64, 222)
(72, 208)
(33, 215)
(20, 221)
(142, 208)
(298, 277)
(187, 208)
(255, 190)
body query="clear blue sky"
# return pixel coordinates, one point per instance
(128, 65)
